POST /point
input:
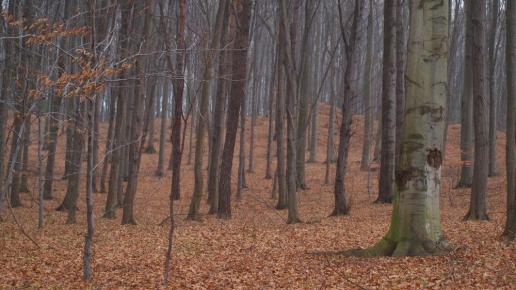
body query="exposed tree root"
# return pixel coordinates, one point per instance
(476, 216)
(402, 248)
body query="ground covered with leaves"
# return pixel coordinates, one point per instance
(256, 249)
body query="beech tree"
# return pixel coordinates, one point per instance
(477, 206)
(510, 18)
(415, 224)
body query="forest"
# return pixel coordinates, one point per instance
(258, 144)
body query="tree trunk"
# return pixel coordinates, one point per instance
(218, 118)
(351, 81)
(368, 96)
(400, 75)
(241, 154)
(388, 151)
(415, 228)
(138, 125)
(510, 225)
(477, 206)
(495, 9)
(286, 40)
(51, 146)
(466, 131)
(202, 117)
(160, 171)
(237, 93)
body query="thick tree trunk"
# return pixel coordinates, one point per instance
(241, 154)
(510, 225)
(466, 131)
(400, 75)
(218, 119)
(477, 206)
(388, 151)
(415, 228)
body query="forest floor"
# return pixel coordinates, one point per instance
(256, 249)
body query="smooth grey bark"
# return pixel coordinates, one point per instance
(415, 228)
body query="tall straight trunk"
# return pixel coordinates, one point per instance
(218, 118)
(160, 171)
(150, 149)
(350, 91)
(466, 118)
(176, 132)
(109, 140)
(331, 132)
(280, 135)
(72, 191)
(177, 150)
(95, 147)
(88, 238)
(237, 93)
(202, 116)
(24, 186)
(368, 96)
(15, 160)
(272, 95)
(400, 76)
(241, 154)
(477, 206)
(510, 18)
(51, 146)
(495, 9)
(287, 41)
(139, 121)
(415, 228)
(388, 151)
(303, 95)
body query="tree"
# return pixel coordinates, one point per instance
(203, 112)
(415, 225)
(477, 206)
(466, 128)
(510, 18)
(388, 150)
(491, 84)
(368, 96)
(352, 47)
(237, 91)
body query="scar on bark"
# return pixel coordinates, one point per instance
(434, 158)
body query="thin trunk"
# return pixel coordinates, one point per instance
(202, 117)
(237, 93)
(495, 9)
(160, 171)
(466, 131)
(510, 18)
(368, 96)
